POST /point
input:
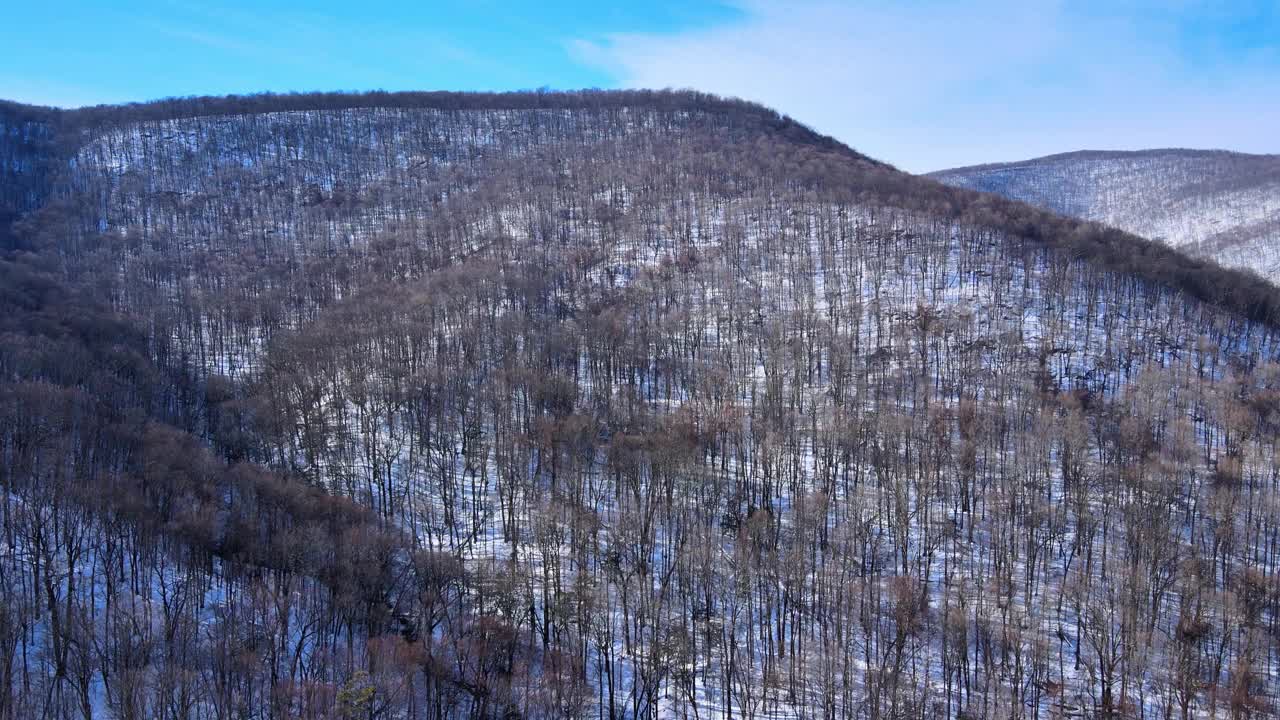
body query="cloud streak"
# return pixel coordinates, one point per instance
(926, 84)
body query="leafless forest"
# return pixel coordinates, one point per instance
(607, 405)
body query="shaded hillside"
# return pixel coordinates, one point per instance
(1213, 204)
(26, 158)
(632, 405)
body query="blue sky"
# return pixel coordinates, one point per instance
(75, 52)
(924, 84)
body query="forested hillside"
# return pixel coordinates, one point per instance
(607, 405)
(1219, 205)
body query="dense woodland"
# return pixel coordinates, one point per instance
(607, 405)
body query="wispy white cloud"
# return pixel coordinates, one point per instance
(928, 84)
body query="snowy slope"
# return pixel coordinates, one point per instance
(1216, 204)
(688, 412)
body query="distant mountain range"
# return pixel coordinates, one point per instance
(1208, 203)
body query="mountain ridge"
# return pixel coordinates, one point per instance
(1102, 154)
(1212, 203)
(69, 129)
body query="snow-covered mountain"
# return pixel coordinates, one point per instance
(1211, 203)
(636, 405)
